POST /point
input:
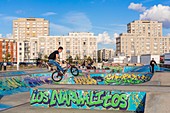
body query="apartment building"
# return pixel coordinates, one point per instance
(105, 54)
(8, 50)
(41, 46)
(75, 44)
(142, 37)
(78, 44)
(26, 28)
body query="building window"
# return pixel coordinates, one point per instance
(20, 53)
(84, 43)
(20, 44)
(59, 43)
(20, 48)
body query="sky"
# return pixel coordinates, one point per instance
(106, 18)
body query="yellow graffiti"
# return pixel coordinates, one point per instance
(125, 78)
(84, 80)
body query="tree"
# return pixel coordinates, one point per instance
(89, 59)
(77, 57)
(39, 55)
(85, 57)
(7, 57)
(45, 58)
(99, 59)
(69, 59)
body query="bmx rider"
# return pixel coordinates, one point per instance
(54, 59)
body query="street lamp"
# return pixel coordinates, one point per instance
(17, 50)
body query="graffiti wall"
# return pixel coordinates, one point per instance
(107, 78)
(116, 69)
(15, 84)
(88, 99)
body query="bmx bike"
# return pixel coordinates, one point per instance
(57, 76)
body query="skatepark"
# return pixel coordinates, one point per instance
(127, 89)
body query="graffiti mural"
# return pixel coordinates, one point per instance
(84, 80)
(12, 73)
(89, 99)
(107, 78)
(116, 69)
(4, 106)
(126, 78)
(10, 85)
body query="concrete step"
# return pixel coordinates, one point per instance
(26, 108)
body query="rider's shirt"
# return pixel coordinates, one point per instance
(53, 55)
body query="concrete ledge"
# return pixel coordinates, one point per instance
(160, 79)
(108, 87)
(88, 99)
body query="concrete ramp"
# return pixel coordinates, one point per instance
(160, 79)
(52, 96)
(157, 102)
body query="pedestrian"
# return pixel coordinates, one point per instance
(152, 64)
(5, 64)
(1, 65)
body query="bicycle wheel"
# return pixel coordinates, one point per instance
(74, 71)
(57, 76)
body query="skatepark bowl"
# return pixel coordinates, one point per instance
(128, 89)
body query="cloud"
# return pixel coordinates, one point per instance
(118, 25)
(115, 36)
(9, 18)
(137, 7)
(147, 1)
(158, 13)
(9, 35)
(49, 14)
(72, 22)
(104, 38)
(59, 29)
(78, 21)
(103, 28)
(19, 12)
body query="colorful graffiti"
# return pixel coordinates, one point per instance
(84, 80)
(124, 79)
(12, 73)
(4, 106)
(102, 100)
(107, 79)
(10, 85)
(115, 69)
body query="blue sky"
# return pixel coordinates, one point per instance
(105, 17)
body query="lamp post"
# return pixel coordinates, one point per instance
(17, 50)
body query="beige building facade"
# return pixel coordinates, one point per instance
(75, 44)
(26, 28)
(105, 54)
(142, 37)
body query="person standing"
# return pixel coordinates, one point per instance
(5, 64)
(152, 64)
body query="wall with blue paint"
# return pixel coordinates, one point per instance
(107, 78)
(88, 99)
(15, 84)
